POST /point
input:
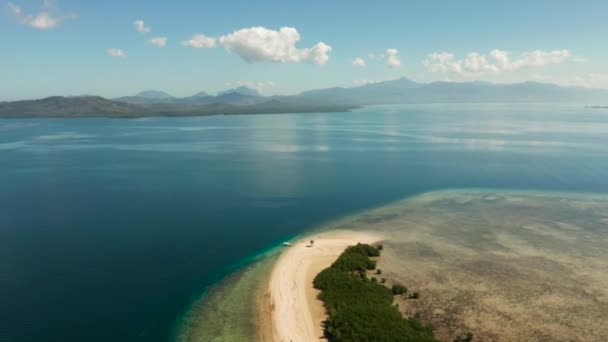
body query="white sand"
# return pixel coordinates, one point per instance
(297, 314)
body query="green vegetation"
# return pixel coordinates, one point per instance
(95, 106)
(398, 289)
(361, 309)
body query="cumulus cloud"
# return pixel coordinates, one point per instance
(259, 44)
(158, 41)
(114, 52)
(47, 18)
(359, 62)
(200, 41)
(141, 27)
(497, 61)
(392, 58)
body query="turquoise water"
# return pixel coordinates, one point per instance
(109, 229)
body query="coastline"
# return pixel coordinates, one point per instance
(431, 244)
(291, 301)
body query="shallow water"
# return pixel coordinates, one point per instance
(507, 266)
(504, 265)
(111, 229)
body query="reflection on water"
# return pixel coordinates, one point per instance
(147, 213)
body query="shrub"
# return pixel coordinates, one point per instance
(354, 260)
(398, 289)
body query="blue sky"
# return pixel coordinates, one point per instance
(68, 47)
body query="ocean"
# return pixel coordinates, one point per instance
(110, 229)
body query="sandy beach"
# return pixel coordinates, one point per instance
(296, 313)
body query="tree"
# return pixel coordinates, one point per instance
(398, 289)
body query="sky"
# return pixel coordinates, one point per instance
(115, 48)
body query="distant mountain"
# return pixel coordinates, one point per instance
(237, 96)
(402, 91)
(147, 97)
(94, 106)
(154, 95)
(243, 100)
(373, 93)
(200, 94)
(242, 90)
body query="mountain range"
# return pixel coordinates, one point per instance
(244, 100)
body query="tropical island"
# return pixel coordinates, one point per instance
(476, 265)
(328, 288)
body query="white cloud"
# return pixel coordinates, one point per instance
(497, 61)
(140, 26)
(260, 86)
(158, 41)
(392, 58)
(113, 52)
(591, 80)
(359, 62)
(259, 44)
(372, 81)
(580, 59)
(200, 41)
(47, 18)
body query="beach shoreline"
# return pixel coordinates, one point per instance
(296, 314)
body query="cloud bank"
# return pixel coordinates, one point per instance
(259, 44)
(498, 61)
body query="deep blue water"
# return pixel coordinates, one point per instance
(110, 228)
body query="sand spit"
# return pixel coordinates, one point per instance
(296, 313)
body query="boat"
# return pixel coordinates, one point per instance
(286, 244)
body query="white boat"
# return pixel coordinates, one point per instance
(286, 244)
